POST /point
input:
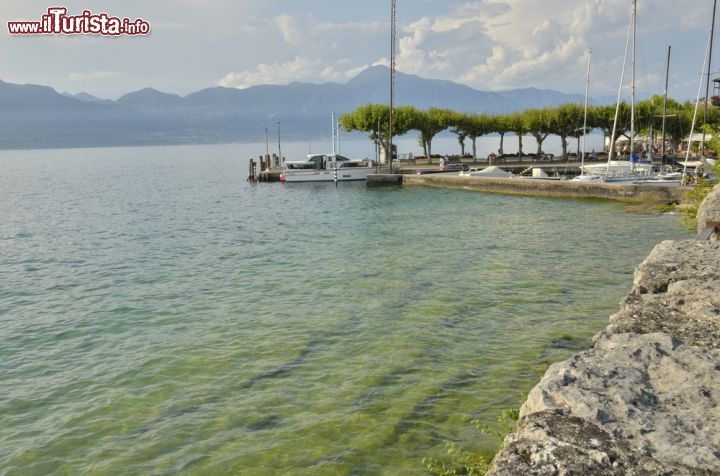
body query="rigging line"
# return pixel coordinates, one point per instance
(617, 105)
(697, 104)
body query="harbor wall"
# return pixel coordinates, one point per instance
(645, 398)
(551, 188)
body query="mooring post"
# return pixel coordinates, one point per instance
(251, 171)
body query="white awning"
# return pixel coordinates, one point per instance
(697, 137)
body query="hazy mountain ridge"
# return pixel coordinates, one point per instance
(38, 116)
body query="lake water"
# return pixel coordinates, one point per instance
(158, 314)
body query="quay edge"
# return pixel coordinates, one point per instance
(537, 187)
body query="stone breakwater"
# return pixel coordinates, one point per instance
(645, 399)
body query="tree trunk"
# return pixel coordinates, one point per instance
(429, 150)
(502, 139)
(520, 151)
(563, 140)
(461, 139)
(474, 149)
(425, 149)
(539, 141)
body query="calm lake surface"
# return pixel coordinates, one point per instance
(158, 314)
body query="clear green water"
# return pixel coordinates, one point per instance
(160, 315)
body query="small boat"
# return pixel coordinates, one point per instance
(492, 171)
(327, 168)
(616, 171)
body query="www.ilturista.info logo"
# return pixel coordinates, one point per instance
(58, 22)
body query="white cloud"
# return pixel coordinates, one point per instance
(289, 29)
(299, 69)
(93, 75)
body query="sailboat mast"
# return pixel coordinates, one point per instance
(632, 95)
(695, 113)
(664, 118)
(619, 97)
(332, 128)
(587, 90)
(707, 87)
(392, 77)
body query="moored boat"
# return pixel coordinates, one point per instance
(327, 168)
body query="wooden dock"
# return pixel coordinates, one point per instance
(267, 168)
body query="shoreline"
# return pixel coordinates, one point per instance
(642, 399)
(630, 193)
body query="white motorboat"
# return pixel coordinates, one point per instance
(327, 168)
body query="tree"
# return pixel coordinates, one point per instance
(539, 123)
(603, 117)
(499, 123)
(456, 124)
(474, 126)
(429, 123)
(375, 119)
(567, 122)
(519, 125)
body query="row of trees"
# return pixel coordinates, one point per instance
(565, 121)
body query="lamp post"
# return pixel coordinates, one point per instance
(279, 149)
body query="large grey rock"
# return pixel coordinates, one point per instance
(656, 395)
(709, 212)
(645, 399)
(677, 291)
(552, 443)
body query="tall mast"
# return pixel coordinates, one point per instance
(695, 113)
(619, 97)
(664, 118)
(707, 87)
(392, 77)
(632, 95)
(587, 90)
(332, 128)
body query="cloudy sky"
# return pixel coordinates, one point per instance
(488, 44)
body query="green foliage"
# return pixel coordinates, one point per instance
(693, 199)
(506, 423)
(695, 196)
(459, 461)
(564, 121)
(429, 123)
(540, 124)
(375, 119)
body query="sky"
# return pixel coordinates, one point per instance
(487, 45)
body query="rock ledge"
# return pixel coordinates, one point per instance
(645, 399)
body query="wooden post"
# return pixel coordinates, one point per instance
(252, 173)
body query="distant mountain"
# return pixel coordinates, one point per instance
(38, 116)
(150, 98)
(86, 97)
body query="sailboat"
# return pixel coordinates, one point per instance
(584, 176)
(633, 169)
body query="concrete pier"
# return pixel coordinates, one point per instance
(538, 187)
(384, 180)
(644, 399)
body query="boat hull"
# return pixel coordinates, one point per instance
(325, 175)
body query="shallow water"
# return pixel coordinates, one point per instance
(159, 314)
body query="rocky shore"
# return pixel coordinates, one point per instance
(645, 399)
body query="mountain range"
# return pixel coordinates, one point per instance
(34, 116)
